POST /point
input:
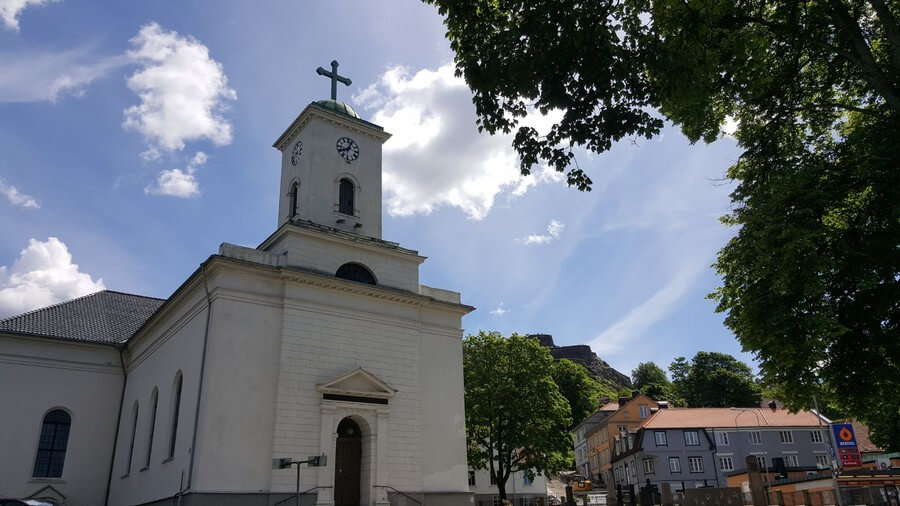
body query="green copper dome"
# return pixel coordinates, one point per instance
(337, 105)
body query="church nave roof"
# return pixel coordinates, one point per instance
(103, 317)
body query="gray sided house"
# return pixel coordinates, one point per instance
(683, 458)
(696, 447)
(580, 440)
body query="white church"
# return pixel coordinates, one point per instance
(318, 342)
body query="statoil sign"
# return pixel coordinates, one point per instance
(845, 440)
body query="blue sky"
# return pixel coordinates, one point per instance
(138, 134)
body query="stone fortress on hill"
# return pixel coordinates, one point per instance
(582, 354)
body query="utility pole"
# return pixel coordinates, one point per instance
(831, 463)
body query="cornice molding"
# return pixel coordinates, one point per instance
(312, 111)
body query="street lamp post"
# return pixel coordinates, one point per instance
(312, 461)
(831, 463)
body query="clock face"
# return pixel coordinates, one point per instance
(348, 149)
(295, 154)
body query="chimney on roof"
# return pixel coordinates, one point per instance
(622, 401)
(773, 405)
(663, 404)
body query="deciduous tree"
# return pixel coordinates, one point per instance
(516, 417)
(579, 389)
(714, 379)
(811, 280)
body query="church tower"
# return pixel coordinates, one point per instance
(331, 166)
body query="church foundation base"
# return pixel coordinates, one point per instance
(394, 499)
(431, 499)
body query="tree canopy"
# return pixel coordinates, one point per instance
(811, 280)
(579, 389)
(516, 417)
(715, 380)
(651, 380)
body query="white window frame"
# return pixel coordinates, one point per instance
(694, 441)
(755, 437)
(821, 461)
(787, 437)
(722, 438)
(726, 464)
(816, 436)
(644, 411)
(695, 460)
(677, 467)
(648, 466)
(791, 461)
(664, 438)
(761, 460)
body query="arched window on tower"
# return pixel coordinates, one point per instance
(355, 272)
(345, 197)
(294, 193)
(51, 453)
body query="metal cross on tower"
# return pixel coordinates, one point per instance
(334, 78)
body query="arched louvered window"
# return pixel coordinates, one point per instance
(356, 272)
(345, 197)
(294, 194)
(51, 453)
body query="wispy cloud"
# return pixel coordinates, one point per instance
(499, 311)
(183, 92)
(17, 198)
(554, 229)
(42, 275)
(178, 183)
(10, 10)
(38, 76)
(634, 325)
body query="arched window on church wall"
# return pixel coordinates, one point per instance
(134, 423)
(345, 197)
(175, 409)
(294, 199)
(154, 398)
(51, 452)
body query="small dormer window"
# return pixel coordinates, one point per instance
(345, 197)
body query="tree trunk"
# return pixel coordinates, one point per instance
(501, 488)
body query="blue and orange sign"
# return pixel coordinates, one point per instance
(845, 440)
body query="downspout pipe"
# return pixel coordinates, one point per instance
(190, 480)
(112, 458)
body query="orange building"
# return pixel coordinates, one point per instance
(629, 415)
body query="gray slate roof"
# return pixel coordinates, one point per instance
(103, 317)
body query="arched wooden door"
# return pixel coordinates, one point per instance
(347, 464)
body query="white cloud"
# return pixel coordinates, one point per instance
(36, 76)
(634, 325)
(183, 92)
(554, 229)
(42, 275)
(499, 311)
(16, 198)
(177, 182)
(10, 10)
(436, 155)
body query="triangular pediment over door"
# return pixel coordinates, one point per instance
(357, 383)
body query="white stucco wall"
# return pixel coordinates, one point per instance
(325, 253)
(515, 486)
(234, 446)
(173, 343)
(39, 375)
